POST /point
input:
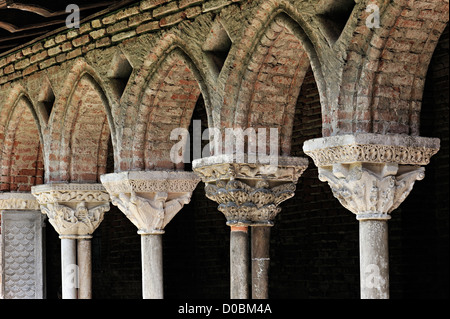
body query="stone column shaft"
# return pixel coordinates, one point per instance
(374, 259)
(152, 267)
(239, 263)
(69, 268)
(260, 261)
(84, 268)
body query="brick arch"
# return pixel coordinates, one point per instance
(20, 144)
(80, 129)
(383, 79)
(272, 82)
(162, 97)
(268, 70)
(167, 104)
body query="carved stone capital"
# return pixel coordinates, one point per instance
(18, 201)
(74, 210)
(371, 174)
(150, 199)
(249, 193)
(371, 192)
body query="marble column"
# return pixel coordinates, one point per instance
(22, 253)
(249, 194)
(75, 211)
(371, 175)
(150, 200)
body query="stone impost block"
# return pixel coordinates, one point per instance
(371, 148)
(74, 210)
(18, 201)
(150, 199)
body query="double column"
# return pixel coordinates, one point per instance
(249, 194)
(150, 200)
(371, 175)
(75, 211)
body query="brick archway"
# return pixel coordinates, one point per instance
(22, 154)
(267, 71)
(163, 96)
(167, 104)
(272, 82)
(80, 129)
(385, 68)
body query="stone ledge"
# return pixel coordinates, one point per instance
(18, 201)
(231, 158)
(222, 167)
(150, 181)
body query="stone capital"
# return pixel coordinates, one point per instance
(74, 210)
(150, 199)
(249, 193)
(18, 201)
(371, 174)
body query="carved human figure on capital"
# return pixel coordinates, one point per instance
(150, 215)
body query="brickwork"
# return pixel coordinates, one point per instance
(385, 69)
(22, 159)
(104, 98)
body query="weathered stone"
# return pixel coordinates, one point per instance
(150, 199)
(74, 210)
(249, 193)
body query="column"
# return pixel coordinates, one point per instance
(75, 211)
(371, 175)
(22, 253)
(260, 262)
(249, 195)
(150, 200)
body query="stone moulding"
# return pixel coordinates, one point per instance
(74, 210)
(150, 181)
(150, 199)
(371, 148)
(18, 201)
(57, 193)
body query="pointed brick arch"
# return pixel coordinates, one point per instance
(80, 129)
(272, 82)
(21, 145)
(161, 97)
(167, 104)
(268, 70)
(385, 68)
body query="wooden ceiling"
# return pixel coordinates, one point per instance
(22, 21)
